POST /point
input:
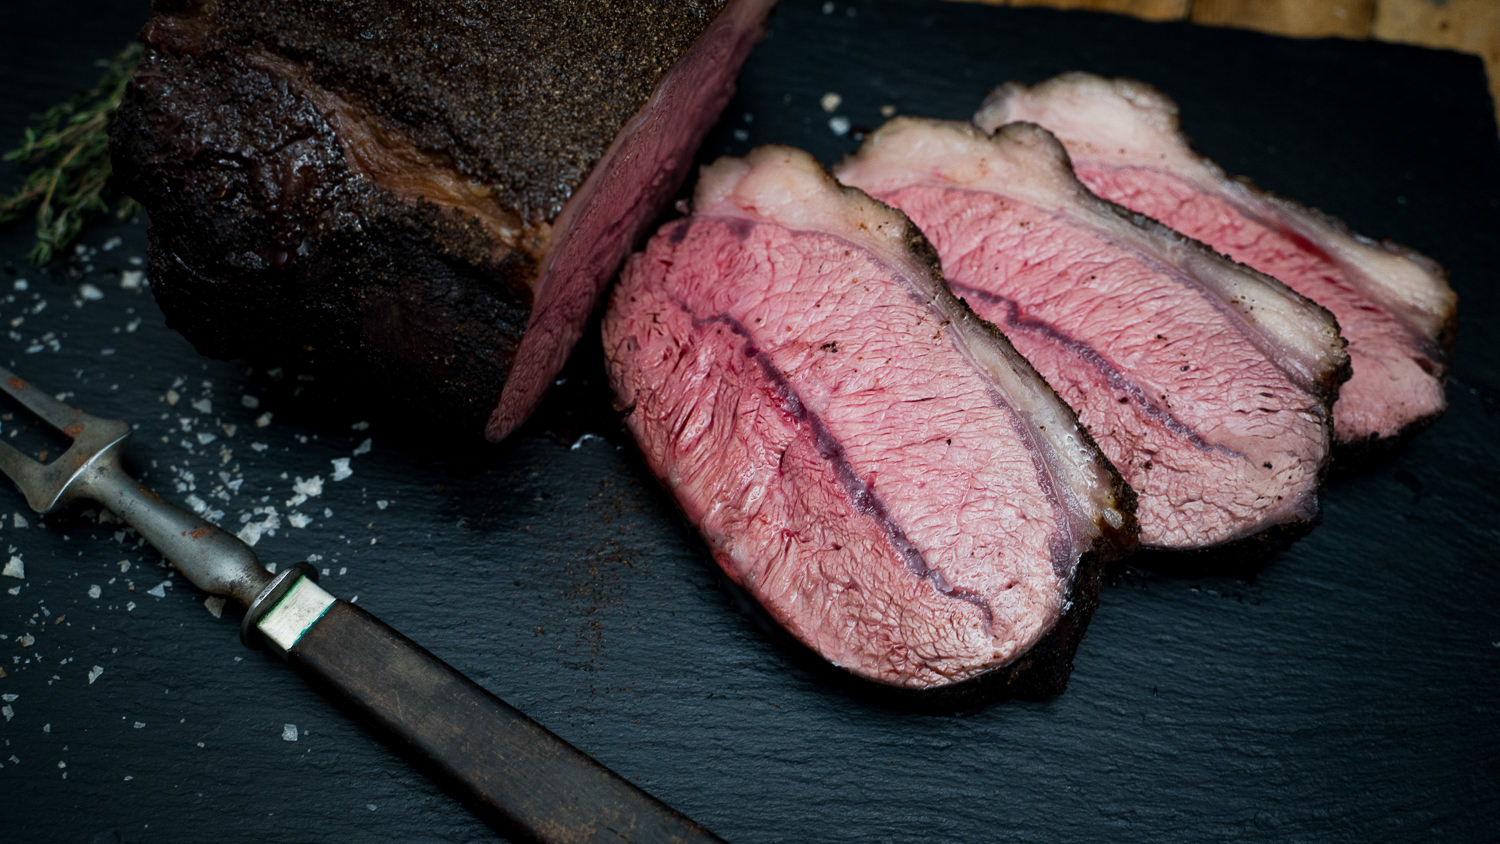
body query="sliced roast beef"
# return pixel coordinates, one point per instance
(879, 468)
(425, 197)
(1394, 306)
(1207, 384)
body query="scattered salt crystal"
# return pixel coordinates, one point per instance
(27, 640)
(299, 520)
(94, 673)
(140, 724)
(15, 568)
(830, 102)
(198, 504)
(887, 111)
(95, 591)
(111, 244)
(172, 397)
(288, 732)
(341, 468)
(18, 520)
(130, 606)
(131, 279)
(159, 590)
(203, 406)
(839, 125)
(249, 401)
(311, 487)
(124, 566)
(10, 697)
(14, 590)
(20, 285)
(370, 806)
(361, 425)
(741, 135)
(131, 326)
(204, 437)
(828, 8)
(382, 504)
(90, 293)
(263, 420)
(215, 605)
(578, 443)
(362, 448)
(7, 711)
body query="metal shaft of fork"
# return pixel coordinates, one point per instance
(211, 558)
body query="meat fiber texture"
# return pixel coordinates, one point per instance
(880, 469)
(1394, 306)
(1207, 384)
(422, 199)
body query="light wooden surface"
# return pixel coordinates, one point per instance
(1472, 26)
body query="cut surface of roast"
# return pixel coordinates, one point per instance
(1394, 306)
(1207, 384)
(425, 199)
(876, 466)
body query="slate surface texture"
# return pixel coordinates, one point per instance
(1343, 689)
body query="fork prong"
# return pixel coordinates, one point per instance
(60, 416)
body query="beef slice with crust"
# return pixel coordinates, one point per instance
(1393, 305)
(879, 468)
(1206, 383)
(425, 199)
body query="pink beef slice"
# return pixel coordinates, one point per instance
(422, 199)
(1394, 306)
(878, 467)
(1207, 384)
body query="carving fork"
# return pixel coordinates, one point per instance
(513, 772)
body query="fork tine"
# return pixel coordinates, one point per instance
(60, 416)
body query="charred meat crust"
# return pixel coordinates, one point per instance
(256, 215)
(533, 128)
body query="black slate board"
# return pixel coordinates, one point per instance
(1347, 690)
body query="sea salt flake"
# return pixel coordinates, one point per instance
(94, 673)
(288, 732)
(15, 568)
(90, 293)
(203, 406)
(249, 401)
(215, 605)
(839, 125)
(95, 591)
(382, 504)
(159, 590)
(363, 448)
(831, 102)
(311, 488)
(299, 520)
(263, 420)
(19, 521)
(131, 279)
(7, 711)
(341, 468)
(139, 725)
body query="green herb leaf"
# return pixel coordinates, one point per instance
(66, 155)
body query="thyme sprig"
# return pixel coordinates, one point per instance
(66, 154)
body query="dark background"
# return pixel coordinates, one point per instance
(1344, 689)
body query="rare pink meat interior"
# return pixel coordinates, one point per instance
(1207, 384)
(1393, 306)
(879, 468)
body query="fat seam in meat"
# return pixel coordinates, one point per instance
(423, 200)
(1394, 306)
(1207, 384)
(877, 467)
